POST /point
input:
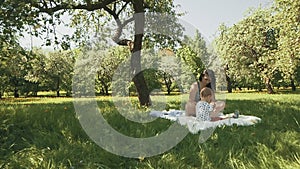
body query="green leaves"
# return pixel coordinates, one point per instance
(262, 44)
(287, 20)
(194, 54)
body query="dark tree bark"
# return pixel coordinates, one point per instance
(293, 85)
(269, 86)
(228, 80)
(135, 62)
(57, 87)
(135, 46)
(168, 82)
(16, 93)
(229, 85)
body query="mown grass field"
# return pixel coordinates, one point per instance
(45, 133)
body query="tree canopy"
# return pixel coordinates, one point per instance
(260, 51)
(263, 48)
(42, 17)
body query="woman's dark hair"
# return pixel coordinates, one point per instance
(205, 72)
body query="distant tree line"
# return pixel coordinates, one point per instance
(27, 72)
(262, 51)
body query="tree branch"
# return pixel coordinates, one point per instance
(116, 37)
(45, 4)
(123, 7)
(89, 6)
(42, 6)
(115, 7)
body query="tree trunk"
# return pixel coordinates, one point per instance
(36, 89)
(142, 89)
(106, 90)
(57, 88)
(16, 93)
(293, 85)
(269, 86)
(137, 74)
(229, 86)
(168, 82)
(169, 88)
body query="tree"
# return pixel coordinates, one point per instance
(189, 57)
(287, 21)
(169, 69)
(263, 46)
(123, 12)
(36, 74)
(15, 15)
(246, 51)
(59, 70)
(108, 65)
(199, 46)
(13, 67)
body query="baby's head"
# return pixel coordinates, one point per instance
(206, 94)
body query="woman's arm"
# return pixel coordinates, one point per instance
(190, 107)
(193, 91)
(213, 98)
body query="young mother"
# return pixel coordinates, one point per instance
(207, 79)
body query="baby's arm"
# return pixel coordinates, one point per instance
(213, 112)
(214, 115)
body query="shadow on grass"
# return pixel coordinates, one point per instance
(49, 135)
(277, 91)
(271, 143)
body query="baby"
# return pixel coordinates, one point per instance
(205, 107)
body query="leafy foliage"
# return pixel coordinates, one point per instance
(89, 17)
(287, 21)
(261, 45)
(194, 53)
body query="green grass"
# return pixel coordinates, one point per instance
(45, 133)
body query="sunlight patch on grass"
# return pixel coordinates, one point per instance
(46, 133)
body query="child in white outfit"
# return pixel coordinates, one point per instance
(204, 108)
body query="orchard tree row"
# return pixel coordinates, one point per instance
(125, 22)
(27, 72)
(131, 23)
(260, 51)
(263, 49)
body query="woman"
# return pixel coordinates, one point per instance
(206, 79)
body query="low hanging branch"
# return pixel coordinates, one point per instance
(111, 6)
(43, 6)
(118, 33)
(53, 7)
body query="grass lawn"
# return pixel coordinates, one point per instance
(45, 133)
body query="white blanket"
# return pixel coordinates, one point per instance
(194, 126)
